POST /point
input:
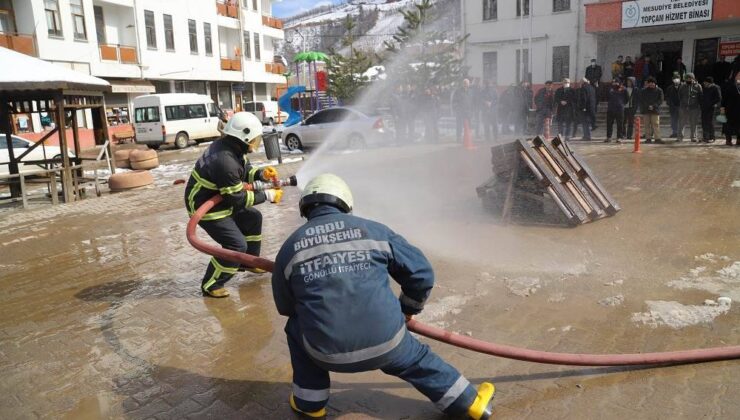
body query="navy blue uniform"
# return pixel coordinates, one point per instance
(331, 280)
(233, 223)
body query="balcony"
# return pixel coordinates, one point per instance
(275, 68)
(22, 43)
(228, 8)
(118, 53)
(272, 22)
(233, 64)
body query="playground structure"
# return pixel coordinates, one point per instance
(310, 83)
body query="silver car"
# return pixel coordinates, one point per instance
(351, 128)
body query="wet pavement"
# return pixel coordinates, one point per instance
(101, 316)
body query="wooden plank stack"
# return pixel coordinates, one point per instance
(531, 175)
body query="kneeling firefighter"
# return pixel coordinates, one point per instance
(331, 281)
(234, 223)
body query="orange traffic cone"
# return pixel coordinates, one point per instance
(467, 136)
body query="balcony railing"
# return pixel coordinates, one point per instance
(21, 43)
(228, 8)
(272, 22)
(234, 64)
(275, 68)
(119, 53)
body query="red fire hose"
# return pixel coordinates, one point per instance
(500, 350)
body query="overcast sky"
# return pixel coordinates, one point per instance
(286, 8)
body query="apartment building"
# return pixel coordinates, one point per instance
(219, 48)
(539, 40)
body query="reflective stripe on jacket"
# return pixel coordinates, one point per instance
(332, 275)
(222, 169)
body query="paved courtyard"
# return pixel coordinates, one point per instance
(101, 315)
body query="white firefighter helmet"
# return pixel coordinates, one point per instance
(326, 189)
(246, 127)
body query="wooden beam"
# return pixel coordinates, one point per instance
(61, 118)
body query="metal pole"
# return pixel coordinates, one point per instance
(15, 190)
(521, 40)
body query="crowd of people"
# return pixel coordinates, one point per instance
(693, 100)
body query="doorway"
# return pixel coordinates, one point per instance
(664, 56)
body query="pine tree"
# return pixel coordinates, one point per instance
(347, 72)
(424, 55)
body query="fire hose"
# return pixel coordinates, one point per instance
(470, 343)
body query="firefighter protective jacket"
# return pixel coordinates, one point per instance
(332, 275)
(223, 169)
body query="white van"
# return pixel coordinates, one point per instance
(175, 118)
(266, 111)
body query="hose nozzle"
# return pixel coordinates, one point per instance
(291, 181)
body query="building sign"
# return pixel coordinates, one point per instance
(729, 46)
(642, 13)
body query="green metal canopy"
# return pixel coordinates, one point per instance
(310, 56)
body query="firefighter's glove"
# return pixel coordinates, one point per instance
(274, 195)
(269, 173)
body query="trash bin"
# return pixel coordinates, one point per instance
(272, 146)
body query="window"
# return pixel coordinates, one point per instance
(53, 20)
(522, 73)
(78, 20)
(169, 33)
(257, 50)
(490, 66)
(490, 9)
(99, 25)
(184, 112)
(519, 5)
(254, 5)
(247, 49)
(7, 24)
(560, 5)
(147, 114)
(193, 32)
(560, 62)
(151, 34)
(207, 37)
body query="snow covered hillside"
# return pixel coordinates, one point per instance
(322, 28)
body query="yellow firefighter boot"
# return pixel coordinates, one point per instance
(216, 293)
(313, 414)
(482, 407)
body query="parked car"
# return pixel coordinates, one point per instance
(20, 146)
(354, 129)
(266, 111)
(177, 118)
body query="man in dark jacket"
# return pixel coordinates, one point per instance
(674, 104)
(524, 103)
(545, 103)
(631, 107)
(651, 98)
(462, 106)
(234, 223)
(704, 69)
(594, 73)
(711, 98)
(565, 102)
(331, 279)
(586, 107)
(689, 95)
(430, 103)
(731, 110)
(628, 67)
(616, 101)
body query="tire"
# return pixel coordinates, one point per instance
(142, 155)
(182, 140)
(292, 142)
(154, 146)
(356, 141)
(123, 164)
(128, 180)
(145, 164)
(123, 154)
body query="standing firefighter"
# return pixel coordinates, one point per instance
(331, 280)
(234, 223)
